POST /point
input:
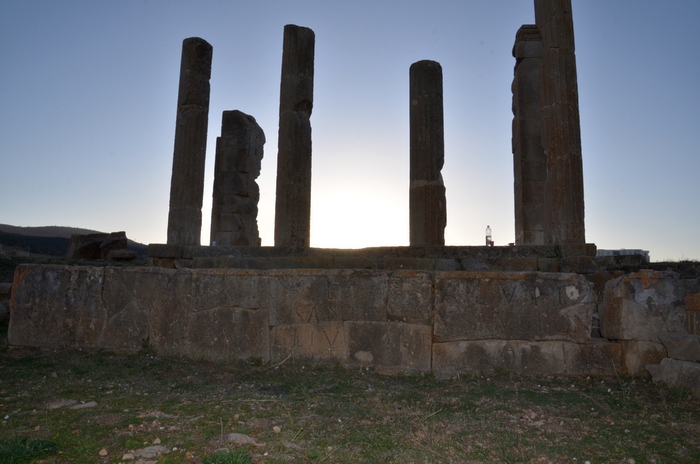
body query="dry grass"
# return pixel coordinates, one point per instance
(330, 414)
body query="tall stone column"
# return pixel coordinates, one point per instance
(187, 182)
(529, 160)
(293, 196)
(427, 203)
(561, 132)
(239, 153)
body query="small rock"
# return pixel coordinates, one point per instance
(62, 403)
(103, 452)
(276, 429)
(240, 439)
(151, 451)
(89, 404)
(128, 457)
(293, 446)
(156, 441)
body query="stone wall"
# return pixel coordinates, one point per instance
(446, 322)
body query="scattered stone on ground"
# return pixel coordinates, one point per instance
(240, 439)
(88, 405)
(150, 451)
(61, 403)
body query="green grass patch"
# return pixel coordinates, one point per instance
(22, 450)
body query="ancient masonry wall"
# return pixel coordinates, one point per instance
(408, 321)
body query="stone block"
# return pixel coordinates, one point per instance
(212, 314)
(95, 246)
(693, 324)
(410, 297)
(162, 250)
(301, 298)
(129, 296)
(358, 295)
(5, 290)
(513, 306)
(354, 262)
(523, 357)
(320, 341)
(416, 264)
(56, 306)
(677, 374)
(388, 346)
(636, 355)
(226, 334)
(683, 347)
(600, 357)
(639, 306)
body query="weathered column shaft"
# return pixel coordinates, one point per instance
(239, 153)
(561, 132)
(187, 182)
(427, 204)
(529, 159)
(293, 196)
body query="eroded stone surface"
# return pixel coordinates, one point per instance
(641, 305)
(676, 374)
(683, 347)
(513, 306)
(636, 355)
(389, 346)
(321, 341)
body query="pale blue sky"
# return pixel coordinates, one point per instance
(90, 91)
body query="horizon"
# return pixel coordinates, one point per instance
(91, 93)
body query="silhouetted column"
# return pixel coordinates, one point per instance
(529, 160)
(427, 204)
(293, 196)
(561, 132)
(239, 153)
(187, 182)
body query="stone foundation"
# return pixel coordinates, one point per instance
(403, 320)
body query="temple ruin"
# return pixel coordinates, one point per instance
(546, 306)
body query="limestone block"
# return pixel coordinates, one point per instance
(5, 290)
(410, 297)
(308, 296)
(4, 311)
(388, 346)
(693, 324)
(320, 341)
(524, 357)
(358, 295)
(513, 306)
(676, 374)
(298, 299)
(683, 347)
(56, 306)
(598, 358)
(227, 333)
(129, 296)
(636, 355)
(95, 246)
(212, 314)
(639, 306)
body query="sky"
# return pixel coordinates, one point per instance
(89, 95)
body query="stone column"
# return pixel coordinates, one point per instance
(187, 182)
(239, 153)
(427, 204)
(561, 132)
(293, 196)
(529, 160)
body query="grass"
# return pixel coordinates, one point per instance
(300, 413)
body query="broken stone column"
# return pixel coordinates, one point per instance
(187, 182)
(427, 204)
(239, 153)
(293, 196)
(529, 159)
(561, 132)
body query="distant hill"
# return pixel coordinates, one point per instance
(46, 231)
(50, 240)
